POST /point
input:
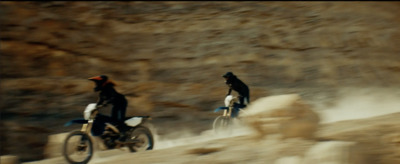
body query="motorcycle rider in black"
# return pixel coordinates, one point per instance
(108, 95)
(237, 85)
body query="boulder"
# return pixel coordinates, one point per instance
(329, 152)
(287, 115)
(334, 152)
(9, 159)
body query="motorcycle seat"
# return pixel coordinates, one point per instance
(127, 118)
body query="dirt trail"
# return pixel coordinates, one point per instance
(164, 147)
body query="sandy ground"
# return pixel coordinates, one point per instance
(353, 115)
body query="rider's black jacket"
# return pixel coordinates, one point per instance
(108, 95)
(236, 84)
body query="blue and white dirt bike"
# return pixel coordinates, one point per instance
(78, 145)
(224, 122)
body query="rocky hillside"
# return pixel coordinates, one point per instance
(168, 58)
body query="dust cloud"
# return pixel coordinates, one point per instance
(362, 103)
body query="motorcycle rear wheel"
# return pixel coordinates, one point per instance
(222, 124)
(142, 138)
(78, 148)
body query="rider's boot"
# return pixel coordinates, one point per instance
(122, 135)
(121, 140)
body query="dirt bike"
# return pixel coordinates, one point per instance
(230, 112)
(78, 145)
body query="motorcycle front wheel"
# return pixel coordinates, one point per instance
(222, 124)
(141, 138)
(78, 148)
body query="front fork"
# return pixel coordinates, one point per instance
(86, 129)
(228, 112)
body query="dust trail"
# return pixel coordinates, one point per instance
(353, 104)
(238, 130)
(362, 103)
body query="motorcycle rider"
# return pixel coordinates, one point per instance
(237, 85)
(108, 95)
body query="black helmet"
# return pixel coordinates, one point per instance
(228, 75)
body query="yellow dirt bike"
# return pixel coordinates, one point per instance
(231, 110)
(78, 145)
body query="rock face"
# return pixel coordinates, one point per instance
(168, 58)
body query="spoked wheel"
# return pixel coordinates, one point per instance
(141, 139)
(78, 148)
(222, 124)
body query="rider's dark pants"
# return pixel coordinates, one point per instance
(244, 100)
(118, 114)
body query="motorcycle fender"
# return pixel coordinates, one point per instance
(221, 108)
(134, 121)
(76, 121)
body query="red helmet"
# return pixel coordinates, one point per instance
(99, 78)
(100, 81)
